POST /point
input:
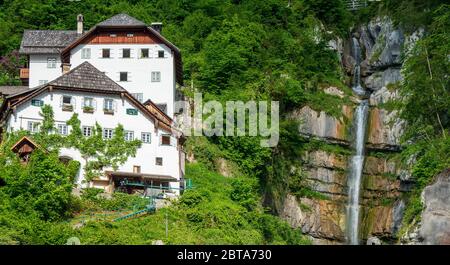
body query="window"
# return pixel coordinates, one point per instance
(67, 103)
(144, 53)
(106, 53)
(51, 62)
(162, 107)
(159, 161)
(126, 53)
(123, 76)
(156, 76)
(33, 126)
(129, 136)
(146, 137)
(113, 35)
(108, 133)
(86, 53)
(108, 105)
(37, 102)
(138, 96)
(130, 35)
(62, 129)
(161, 54)
(136, 169)
(165, 139)
(87, 131)
(43, 82)
(89, 102)
(67, 100)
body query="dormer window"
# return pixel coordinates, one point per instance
(126, 53)
(106, 53)
(113, 35)
(130, 35)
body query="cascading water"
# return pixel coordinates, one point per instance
(357, 161)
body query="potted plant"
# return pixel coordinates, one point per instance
(108, 111)
(67, 107)
(88, 109)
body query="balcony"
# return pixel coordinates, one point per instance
(24, 73)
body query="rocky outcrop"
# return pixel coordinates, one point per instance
(322, 219)
(385, 130)
(435, 227)
(321, 125)
(385, 177)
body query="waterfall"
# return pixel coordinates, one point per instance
(357, 160)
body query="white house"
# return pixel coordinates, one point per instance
(119, 72)
(128, 51)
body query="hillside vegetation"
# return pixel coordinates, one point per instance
(232, 50)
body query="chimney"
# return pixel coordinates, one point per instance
(80, 24)
(157, 26)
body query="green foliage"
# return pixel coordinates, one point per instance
(426, 91)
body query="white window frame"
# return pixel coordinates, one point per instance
(106, 106)
(86, 53)
(129, 136)
(146, 137)
(51, 62)
(63, 129)
(156, 76)
(71, 100)
(86, 129)
(88, 99)
(138, 96)
(107, 133)
(33, 126)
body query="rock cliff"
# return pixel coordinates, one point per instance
(385, 177)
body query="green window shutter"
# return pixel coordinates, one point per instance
(37, 102)
(132, 111)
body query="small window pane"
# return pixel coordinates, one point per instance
(62, 129)
(165, 139)
(144, 53)
(108, 104)
(87, 131)
(146, 137)
(156, 76)
(67, 100)
(159, 161)
(138, 96)
(161, 54)
(86, 53)
(105, 53)
(107, 133)
(51, 62)
(126, 53)
(129, 135)
(123, 76)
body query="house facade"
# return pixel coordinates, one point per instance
(119, 72)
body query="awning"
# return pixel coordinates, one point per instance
(122, 174)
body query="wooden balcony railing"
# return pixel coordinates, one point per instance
(24, 73)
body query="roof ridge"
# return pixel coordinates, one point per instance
(65, 79)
